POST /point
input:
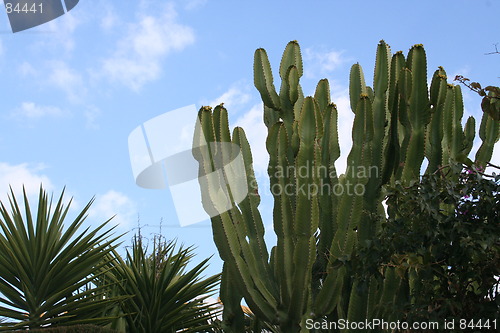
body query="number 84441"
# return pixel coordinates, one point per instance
(18, 8)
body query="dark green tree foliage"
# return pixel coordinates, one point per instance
(490, 94)
(446, 228)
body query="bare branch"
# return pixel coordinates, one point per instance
(496, 50)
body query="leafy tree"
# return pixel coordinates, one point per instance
(490, 94)
(444, 232)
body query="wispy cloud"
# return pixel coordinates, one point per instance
(31, 177)
(193, 4)
(256, 131)
(56, 73)
(109, 19)
(60, 33)
(62, 76)
(27, 69)
(30, 110)
(91, 114)
(235, 97)
(17, 176)
(138, 56)
(114, 203)
(320, 62)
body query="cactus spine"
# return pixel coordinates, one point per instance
(398, 123)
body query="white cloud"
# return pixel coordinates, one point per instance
(109, 20)
(31, 177)
(321, 62)
(61, 33)
(91, 114)
(256, 131)
(345, 121)
(138, 57)
(66, 79)
(17, 176)
(234, 98)
(26, 69)
(113, 203)
(32, 111)
(194, 4)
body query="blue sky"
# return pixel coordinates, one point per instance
(73, 89)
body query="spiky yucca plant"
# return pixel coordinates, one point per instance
(163, 295)
(46, 267)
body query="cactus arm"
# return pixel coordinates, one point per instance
(281, 184)
(370, 93)
(331, 292)
(373, 298)
(489, 132)
(457, 140)
(322, 95)
(382, 66)
(332, 135)
(307, 208)
(359, 156)
(350, 207)
(263, 80)
(289, 94)
(251, 214)
(230, 240)
(405, 131)
(380, 142)
(357, 85)
(392, 154)
(392, 147)
(271, 116)
(397, 64)
(434, 149)
(356, 311)
(448, 124)
(226, 238)
(389, 289)
(291, 57)
(328, 200)
(295, 143)
(418, 112)
(232, 315)
(469, 134)
(298, 105)
(221, 124)
(293, 81)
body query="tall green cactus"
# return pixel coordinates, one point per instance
(398, 123)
